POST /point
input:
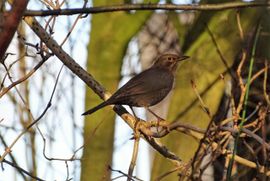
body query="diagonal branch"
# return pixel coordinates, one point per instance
(92, 83)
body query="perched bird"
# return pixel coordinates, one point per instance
(148, 87)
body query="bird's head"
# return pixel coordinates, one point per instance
(169, 61)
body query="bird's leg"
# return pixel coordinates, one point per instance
(133, 112)
(157, 116)
(136, 118)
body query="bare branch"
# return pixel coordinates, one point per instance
(129, 7)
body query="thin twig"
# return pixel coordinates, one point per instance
(134, 154)
(246, 96)
(224, 61)
(123, 175)
(266, 96)
(203, 105)
(74, 24)
(8, 149)
(24, 78)
(22, 170)
(14, 162)
(240, 29)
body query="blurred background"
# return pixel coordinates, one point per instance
(113, 47)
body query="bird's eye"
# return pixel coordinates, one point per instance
(169, 58)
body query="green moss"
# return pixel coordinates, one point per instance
(110, 34)
(204, 67)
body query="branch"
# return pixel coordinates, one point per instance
(24, 78)
(146, 7)
(8, 149)
(22, 170)
(88, 79)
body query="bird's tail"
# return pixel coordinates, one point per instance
(94, 109)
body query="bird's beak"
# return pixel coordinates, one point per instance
(183, 58)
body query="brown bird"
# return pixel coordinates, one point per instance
(148, 87)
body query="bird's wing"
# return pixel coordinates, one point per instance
(147, 82)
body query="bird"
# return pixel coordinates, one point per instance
(148, 87)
